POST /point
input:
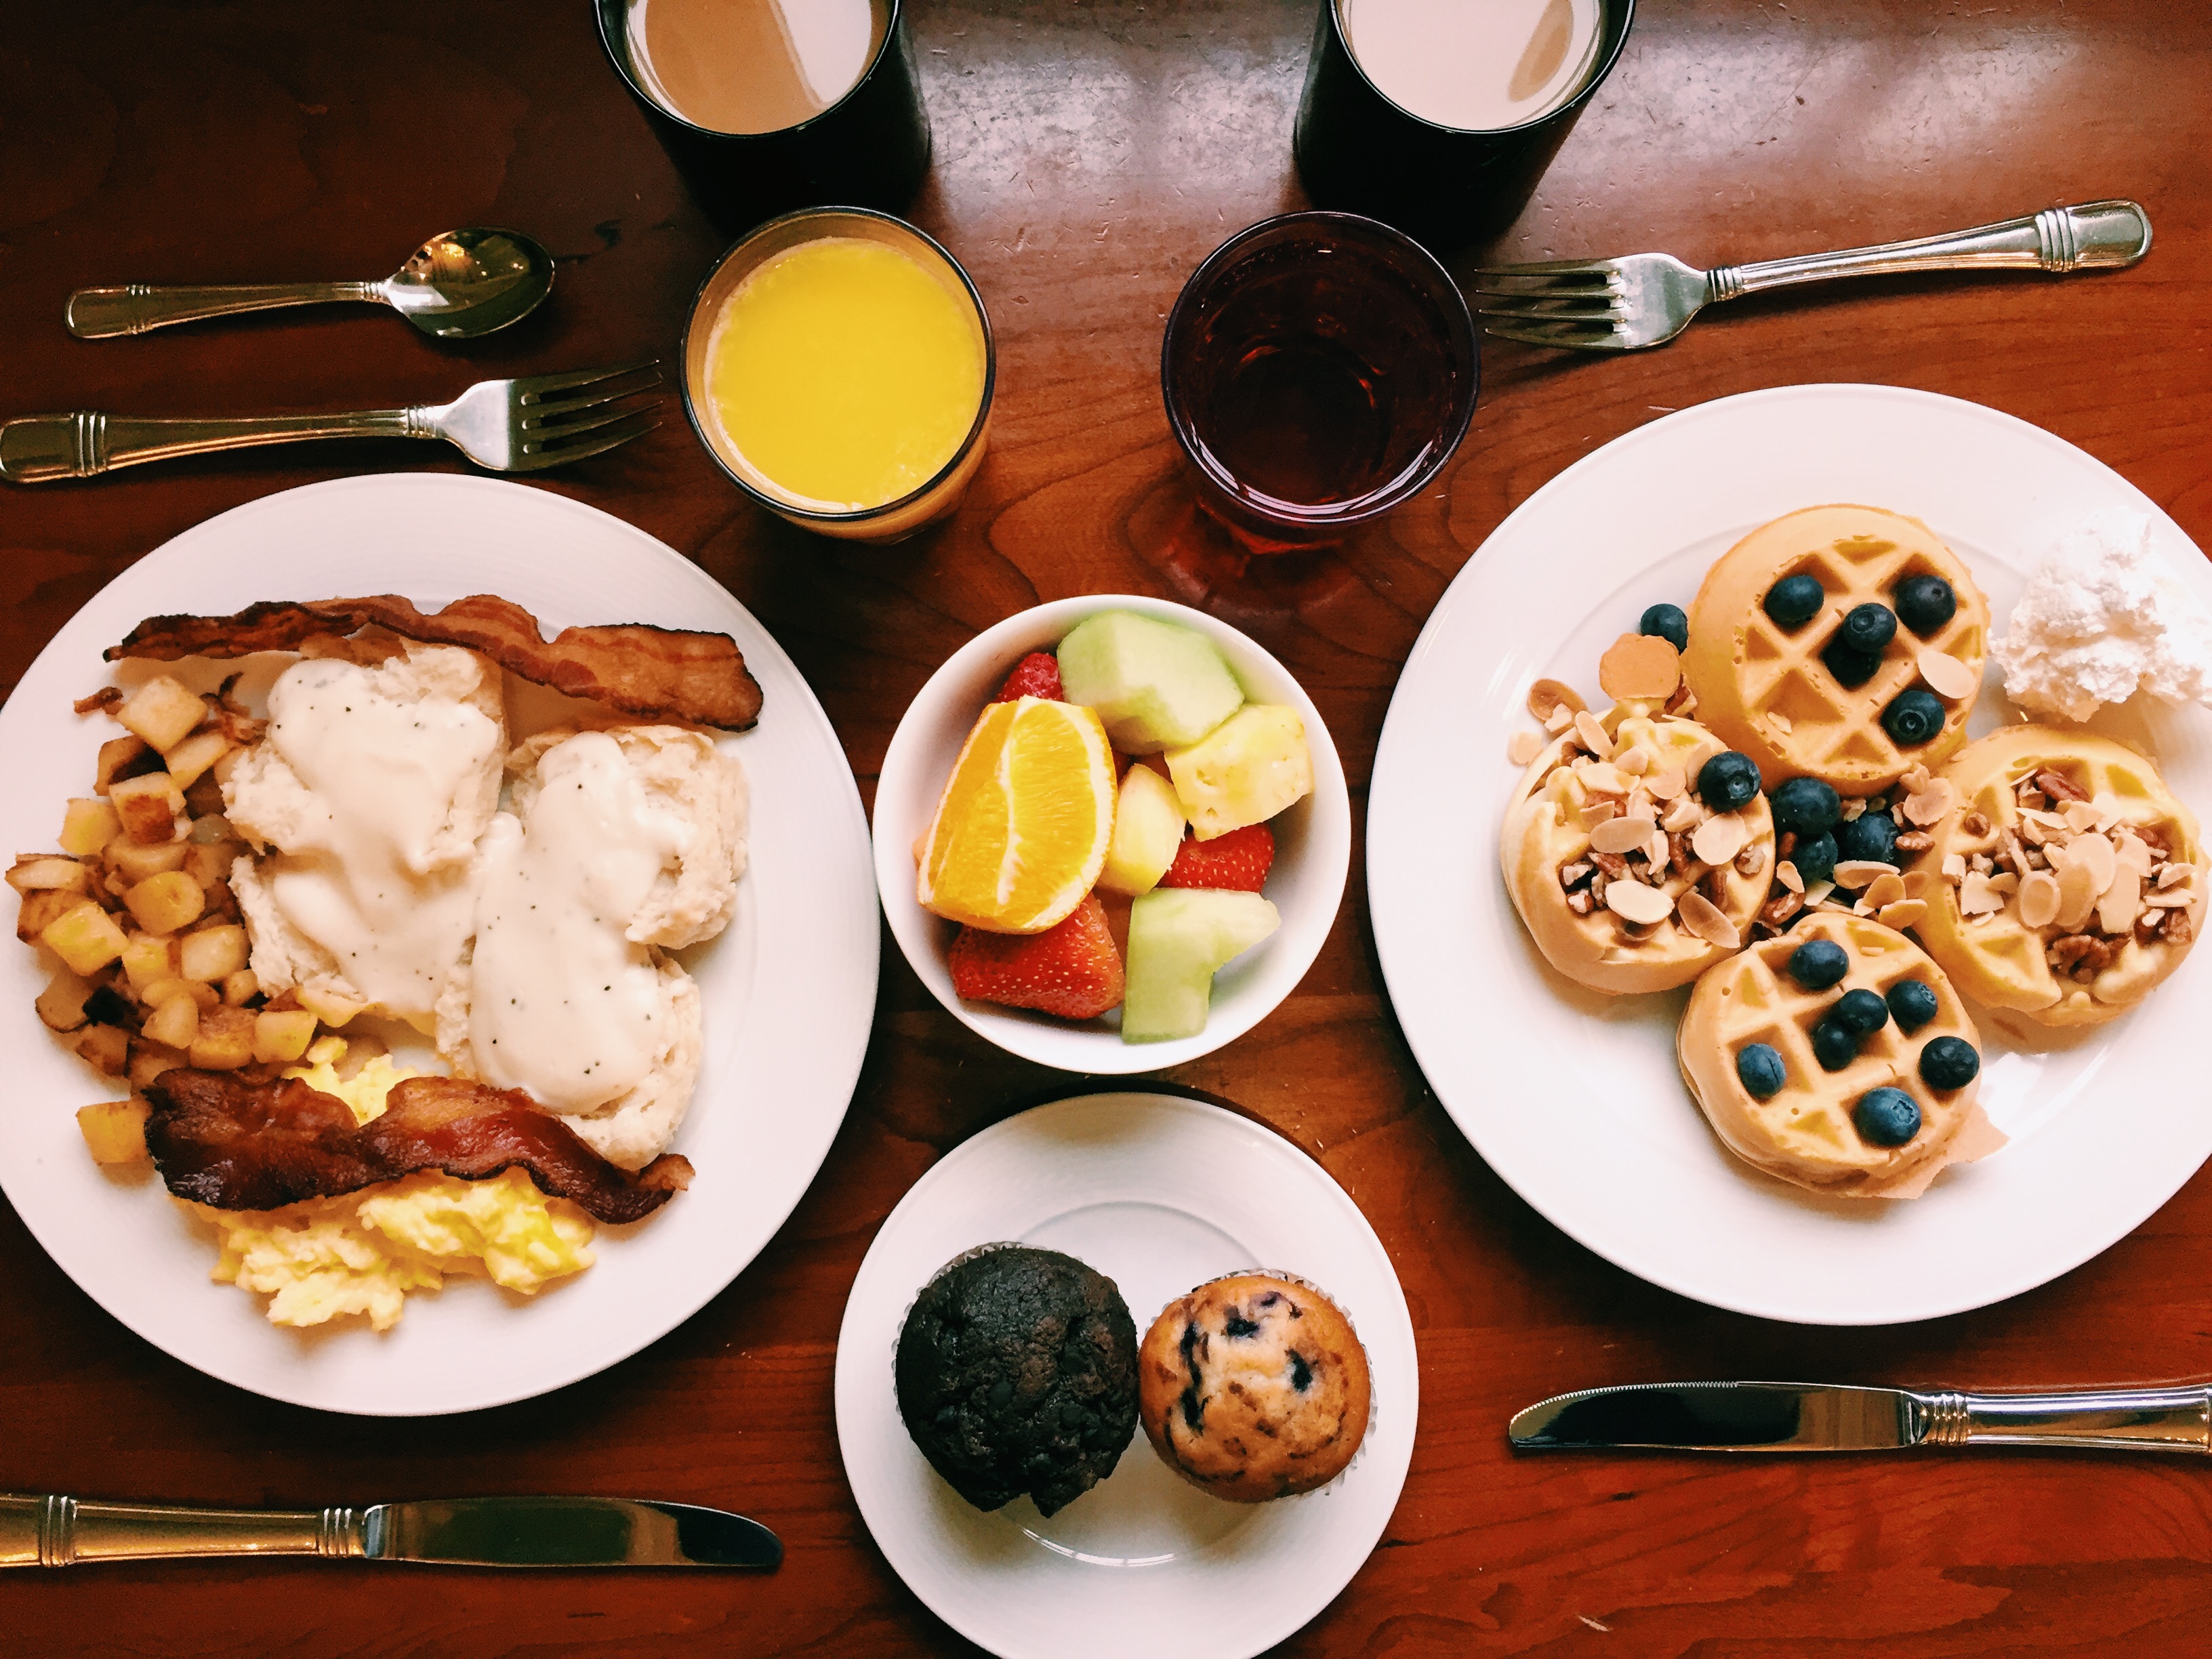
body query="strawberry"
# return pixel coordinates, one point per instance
(1036, 675)
(1071, 969)
(1237, 862)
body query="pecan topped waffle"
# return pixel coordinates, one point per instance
(2066, 882)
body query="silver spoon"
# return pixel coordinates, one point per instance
(456, 286)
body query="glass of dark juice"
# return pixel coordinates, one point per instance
(1319, 369)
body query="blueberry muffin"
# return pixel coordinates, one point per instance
(1016, 1372)
(1254, 1387)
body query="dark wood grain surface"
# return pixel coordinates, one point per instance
(1087, 156)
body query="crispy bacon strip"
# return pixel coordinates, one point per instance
(221, 1140)
(655, 673)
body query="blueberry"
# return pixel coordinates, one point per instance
(1806, 806)
(1834, 1045)
(1860, 1012)
(1924, 603)
(1795, 600)
(1818, 964)
(1912, 1005)
(1948, 1062)
(1851, 668)
(1871, 836)
(1887, 1117)
(1815, 858)
(1914, 717)
(1869, 628)
(1728, 780)
(1668, 622)
(1760, 1070)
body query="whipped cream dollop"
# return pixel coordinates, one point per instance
(2103, 618)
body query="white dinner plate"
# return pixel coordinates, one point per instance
(788, 992)
(1572, 1097)
(1160, 1194)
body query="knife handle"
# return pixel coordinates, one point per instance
(51, 1531)
(2119, 1420)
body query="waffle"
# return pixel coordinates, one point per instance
(1545, 833)
(1764, 689)
(1804, 1134)
(1996, 957)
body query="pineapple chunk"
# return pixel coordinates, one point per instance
(87, 825)
(192, 757)
(282, 1038)
(121, 757)
(114, 1131)
(212, 953)
(35, 872)
(241, 987)
(41, 909)
(174, 1023)
(61, 1005)
(150, 1060)
(85, 937)
(106, 1048)
(147, 805)
(147, 961)
(225, 1041)
(135, 863)
(163, 712)
(165, 902)
(1244, 771)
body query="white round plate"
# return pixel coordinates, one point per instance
(1572, 1097)
(1160, 1194)
(789, 990)
(1313, 843)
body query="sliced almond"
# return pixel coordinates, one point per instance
(1622, 835)
(1779, 721)
(1560, 719)
(1786, 873)
(2169, 898)
(1816, 891)
(1642, 667)
(1720, 838)
(2108, 811)
(2038, 898)
(2173, 875)
(2120, 903)
(1976, 898)
(1855, 873)
(1682, 812)
(1602, 778)
(1703, 917)
(1916, 778)
(1592, 734)
(2098, 856)
(2005, 882)
(1954, 866)
(1596, 812)
(1635, 760)
(2133, 852)
(1946, 676)
(2077, 896)
(1932, 802)
(1524, 747)
(1546, 695)
(1632, 900)
(1665, 784)
(2032, 832)
(1657, 852)
(1903, 913)
(2081, 816)
(1885, 889)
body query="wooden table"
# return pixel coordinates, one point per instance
(1087, 156)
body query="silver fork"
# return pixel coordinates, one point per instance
(1647, 298)
(509, 426)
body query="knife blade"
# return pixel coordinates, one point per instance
(476, 1532)
(1823, 1417)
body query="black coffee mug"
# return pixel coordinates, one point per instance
(1359, 151)
(870, 148)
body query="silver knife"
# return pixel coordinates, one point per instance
(1802, 1417)
(465, 1532)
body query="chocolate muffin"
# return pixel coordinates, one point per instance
(1254, 1387)
(1016, 1372)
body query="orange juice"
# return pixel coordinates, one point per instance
(845, 373)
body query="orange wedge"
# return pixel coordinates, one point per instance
(1022, 829)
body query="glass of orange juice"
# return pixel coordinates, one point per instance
(838, 364)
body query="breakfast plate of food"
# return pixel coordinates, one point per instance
(1126, 1363)
(445, 961)
(1830, 765)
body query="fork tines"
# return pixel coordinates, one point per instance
(604, 407)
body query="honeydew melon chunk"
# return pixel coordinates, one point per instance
(1147, 833)
(1244, 771)
(1179, 939)
(1156, 684)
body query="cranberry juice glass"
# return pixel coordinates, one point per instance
(1319, 369)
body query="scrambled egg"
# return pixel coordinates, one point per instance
(362, 1253)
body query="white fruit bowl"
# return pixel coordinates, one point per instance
(1313, 844)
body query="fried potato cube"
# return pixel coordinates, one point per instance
(86, 937)
(193, 991)
(163, 904)
(212, 953)
(134, 863)
(89, 823)
(163, 712)
(61, 1005)
(148, 1060)
(41, 909)
(282, 1038)
(192, 757)
(122, 758)
(107, 1048)
(33, 871)
(241, 988)
(208, 863)
(147, 805)
(147, 961)
(225, 1041)
(114, 1130)
(174, 1024)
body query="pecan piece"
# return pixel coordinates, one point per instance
(1779, 908)
(1976, 823)
(2179, 930)
(2059, 788)
(1573, 875)
(1612, 864)
(2080, 956)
